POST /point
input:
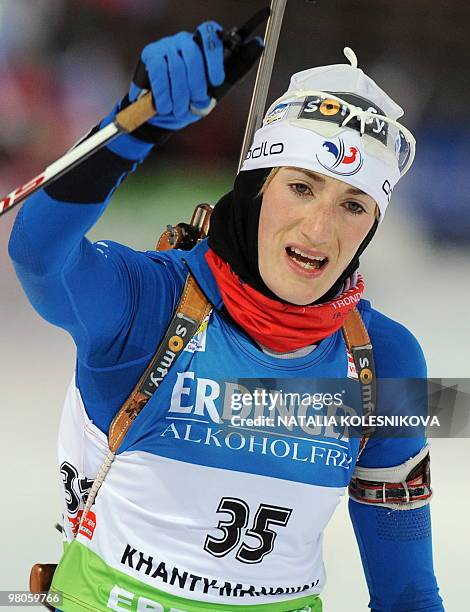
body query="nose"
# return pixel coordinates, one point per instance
(318, 223)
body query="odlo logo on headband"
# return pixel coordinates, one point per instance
(338, 158)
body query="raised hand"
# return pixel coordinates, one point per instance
(179, 71)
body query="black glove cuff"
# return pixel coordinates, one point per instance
(91, 181)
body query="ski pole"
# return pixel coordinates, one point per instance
(263, 76)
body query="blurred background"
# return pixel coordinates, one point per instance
(64, 63)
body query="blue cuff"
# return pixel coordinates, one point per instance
(126, 145)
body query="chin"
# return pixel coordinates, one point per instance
(303, 301)
(295, 295)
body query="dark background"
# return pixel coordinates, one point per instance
(64, 63)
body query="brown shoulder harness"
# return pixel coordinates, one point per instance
(360, 346)
(191, 311)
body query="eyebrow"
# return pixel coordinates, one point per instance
(317, 177)
(311, 174)
(355, 191)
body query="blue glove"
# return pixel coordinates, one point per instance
(179, 73)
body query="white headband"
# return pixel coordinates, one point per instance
(341, 157)
(290, 139)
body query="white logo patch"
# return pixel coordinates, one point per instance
(352, 372)
(276, 114)
(198, 341)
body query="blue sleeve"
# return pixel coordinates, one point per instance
(396, 553)
(395, 545)
(115, 302)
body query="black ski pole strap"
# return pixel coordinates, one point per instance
(147, 132)
(191, 311)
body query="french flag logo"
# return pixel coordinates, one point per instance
(340, 159)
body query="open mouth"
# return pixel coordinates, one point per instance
(306, 261)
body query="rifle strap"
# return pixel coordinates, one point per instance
(360, 346)
(191, 311)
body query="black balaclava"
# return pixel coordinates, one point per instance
(233, 233)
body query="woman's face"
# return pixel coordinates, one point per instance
(309, 230)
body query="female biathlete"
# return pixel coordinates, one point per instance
(199, 511)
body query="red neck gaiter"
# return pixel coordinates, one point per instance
(278, 326)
